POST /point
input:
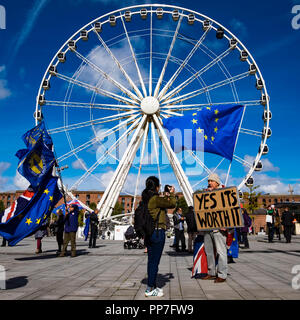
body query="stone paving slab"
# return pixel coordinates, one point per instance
(109, 272)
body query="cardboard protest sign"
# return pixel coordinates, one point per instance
(218, 209)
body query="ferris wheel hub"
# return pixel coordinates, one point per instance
(149, 105)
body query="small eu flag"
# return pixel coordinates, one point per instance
(31, 217)
(38, 158)
(211, 129)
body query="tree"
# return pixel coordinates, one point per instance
(2, 207)
(118, 209)
(251, 197)
(181, 203)
(93, 206)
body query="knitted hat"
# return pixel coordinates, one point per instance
(214, 177)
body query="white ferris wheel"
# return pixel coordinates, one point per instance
(107, 89)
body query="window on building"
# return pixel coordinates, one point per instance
(8, 198)
(287, 200)
(99, 196)
(270, 200)
(77, 196)
(87, 203)
(88, 197)
(276, 201)
(8, 203)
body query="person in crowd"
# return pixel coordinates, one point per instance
(245, 228)
(3, 242)
(71, 226)
(59, 230)
(216, 239)
(157, 206)
(191, 228)
(39, 235)
(178, 219)
(93, 227)
(277, 224)
(287, 222)
(270, 224)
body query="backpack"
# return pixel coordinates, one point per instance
(144, 224)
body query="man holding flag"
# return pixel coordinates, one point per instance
(27, 213)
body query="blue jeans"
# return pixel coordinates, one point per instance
(155, 249)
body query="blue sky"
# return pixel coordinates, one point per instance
(35, 30)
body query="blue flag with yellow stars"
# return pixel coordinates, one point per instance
(234, 248)
(37, 133)
(211, 129)
(31, 217)
(38, 158)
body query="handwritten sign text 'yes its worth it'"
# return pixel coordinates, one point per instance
(217, 209)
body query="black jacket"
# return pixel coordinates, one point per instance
(190, 221)
(59, 224)
(287, 218)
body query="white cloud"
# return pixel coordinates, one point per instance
(20, 182)
(4, 91)
(78, 164)
(268, 166)
(3, 180)
(239, 28)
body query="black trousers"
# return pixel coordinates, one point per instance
(288, 233)
(179, 236)
(277, 232)
(60, 239)
(93, 236)
(270, 232)
(245, 239)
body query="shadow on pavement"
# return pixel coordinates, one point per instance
(16, 282)
(161, 279)
(178, 254)
(44, 255)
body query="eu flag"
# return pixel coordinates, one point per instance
(86, 228)
(234, 248)
(32, 216)
(38, 158)
(211, 129)
(37, 133)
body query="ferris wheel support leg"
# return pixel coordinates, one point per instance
(127, 165)
(105, 205)
(178, 171)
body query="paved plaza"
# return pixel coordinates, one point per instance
(110, 272)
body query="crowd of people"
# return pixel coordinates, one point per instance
(216, 242)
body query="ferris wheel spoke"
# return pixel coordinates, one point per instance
(171, 113)
(183, 64)
(132, 84)
(95, 89)
(212, 171)
(199, 161)
(151, 54)
(83, 105)
(134, 58)
(251, 132)
(103, 157)
(242, 161)
(156, 150)
(96, 139)
(208, 88)
(116, 117)
(195, 75)
(140, 166)
(179, 173)
(159, 82)
(196, 106)
(117, 181)
(107, 77)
